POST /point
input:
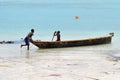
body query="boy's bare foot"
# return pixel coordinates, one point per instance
(21, 46)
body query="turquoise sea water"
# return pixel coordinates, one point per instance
(95, 18)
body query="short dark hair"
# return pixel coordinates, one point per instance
(32, 30)
(58, 31)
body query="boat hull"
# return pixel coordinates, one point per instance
(73, 43)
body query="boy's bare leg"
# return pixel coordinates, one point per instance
(27, 47)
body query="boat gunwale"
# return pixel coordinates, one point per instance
(73, 40)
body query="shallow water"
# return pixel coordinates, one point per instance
(75, 63)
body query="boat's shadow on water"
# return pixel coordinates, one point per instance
(18, 52)
(95, 49)
(102, 47)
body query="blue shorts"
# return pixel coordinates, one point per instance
(26, 40)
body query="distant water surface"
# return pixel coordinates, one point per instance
(95, 18)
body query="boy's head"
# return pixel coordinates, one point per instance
(58, 32)
(32, 30)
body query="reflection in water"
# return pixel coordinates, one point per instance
(27, 54)
(114, 55)
(58, 53)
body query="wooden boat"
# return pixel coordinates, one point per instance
(73, 43)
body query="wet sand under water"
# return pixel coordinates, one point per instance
(78, 63)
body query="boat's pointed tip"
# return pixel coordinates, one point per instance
(112, 33)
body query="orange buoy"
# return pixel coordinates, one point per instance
(76, 17)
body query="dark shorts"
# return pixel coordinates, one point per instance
(26, 40)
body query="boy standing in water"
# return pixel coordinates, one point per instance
(58, 35)
(27, 39)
